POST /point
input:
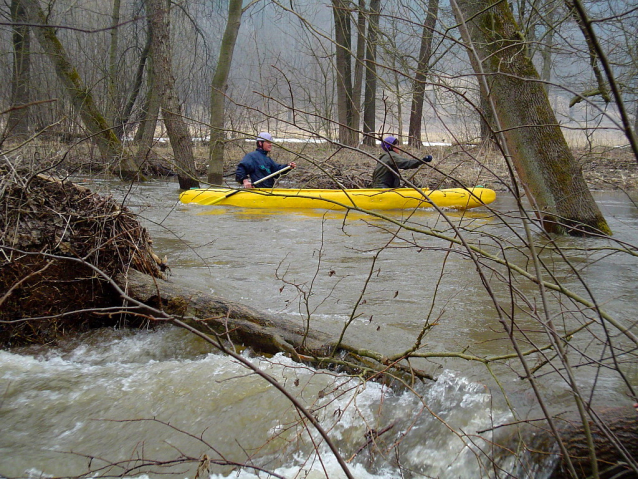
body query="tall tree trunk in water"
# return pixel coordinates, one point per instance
(418, 94)
(545, 165)
(163, 82)
(218, 94)
(370, 95)
(18, 121)
(343, 44)
(98, 128)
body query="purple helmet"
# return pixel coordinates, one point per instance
(263, 136)
(388, 142)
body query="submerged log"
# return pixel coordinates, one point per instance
(225, 319)
(240, 326)
(616, 444)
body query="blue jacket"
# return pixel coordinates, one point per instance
(257, 165)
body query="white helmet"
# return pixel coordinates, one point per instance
(264, 136)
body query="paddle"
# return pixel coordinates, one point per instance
(278, 172)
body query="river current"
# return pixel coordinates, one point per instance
(152, 403)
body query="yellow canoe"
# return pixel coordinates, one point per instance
(367, 199)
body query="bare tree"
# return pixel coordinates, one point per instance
(112, 69)
(164, 94)
(548, 171)
(18, 121)
(359, 66)
(370, 95)
(218, 90)
(81, 97)
(418, 93)
(601, 86)
(343, 66)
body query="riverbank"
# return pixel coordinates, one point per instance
(325, 166)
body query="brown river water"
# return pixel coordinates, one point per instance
(107, 403)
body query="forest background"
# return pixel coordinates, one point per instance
(138, 88)
(407, 71)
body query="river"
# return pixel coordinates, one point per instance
(151, 403)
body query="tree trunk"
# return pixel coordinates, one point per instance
(18, 121)
(601, 89)
(370, 95)
(112, 79)
(545, 165)
(98, 128)
(152, 102)
(358, 70)
(343, 45)
(121, 122)
(177, 129)
(218, 94)
(622, 423)
(163, 82)
(418, 94)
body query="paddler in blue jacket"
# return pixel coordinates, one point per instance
(257, 164)
(386, 173)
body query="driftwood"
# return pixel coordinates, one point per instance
(261, 332)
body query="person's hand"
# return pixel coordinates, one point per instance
(292, 165)
(247, 183)
(427, 158)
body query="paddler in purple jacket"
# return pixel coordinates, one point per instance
(386, 174)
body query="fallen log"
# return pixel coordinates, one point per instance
(615, 443)
(225, 319)
(263, 333)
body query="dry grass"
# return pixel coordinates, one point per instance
(326, 166)
(323, 166)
